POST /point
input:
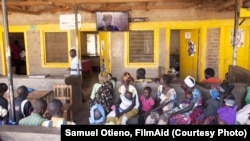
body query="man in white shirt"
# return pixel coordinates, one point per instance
(75, 72)
(76, 66)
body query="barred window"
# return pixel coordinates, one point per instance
(56, 47)
(141, 46)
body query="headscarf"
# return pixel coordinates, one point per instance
(101, 110)
(189, 81)
(104, 76)
(247, 98)
(226, 87)
(229, 102)
(214, 94)
(227, 115)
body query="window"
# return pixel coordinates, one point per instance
(56, 47)
(141, 46)
(90, 44)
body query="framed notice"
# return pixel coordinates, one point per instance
(67, 21)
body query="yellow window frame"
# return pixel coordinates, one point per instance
(143, 64)
(43, 50)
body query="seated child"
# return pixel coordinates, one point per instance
(185, 103)
(147, 104)
(126, 102)
(23, 106)
(187, 100)
(97, 115)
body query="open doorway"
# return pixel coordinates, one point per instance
(175, 50)
(90, 51)
(184, 52)
(18, 59)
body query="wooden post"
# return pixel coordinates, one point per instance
(236, 25)
(8, 58)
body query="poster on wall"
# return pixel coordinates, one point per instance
(67, 21)
(187, 35)
(239, 41)
(191, 48)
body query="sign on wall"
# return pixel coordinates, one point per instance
(239, 41)
(187, 35)
(67, 21)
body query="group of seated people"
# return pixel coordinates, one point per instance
(28, 113)
(220, 108)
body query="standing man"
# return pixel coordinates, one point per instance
(15, 50)
(75, 76)
(76, 66)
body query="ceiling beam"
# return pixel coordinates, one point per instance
(80, 8)
(148, 7)
(114, 1)
(39, 6)
(230, 3)
(15, 10)
(27, 3)
(63, 3)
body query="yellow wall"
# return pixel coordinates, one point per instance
(105, 51)
(202, 26)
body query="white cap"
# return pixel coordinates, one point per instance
(229, 102)
(189, 81)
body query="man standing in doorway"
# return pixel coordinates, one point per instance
(75, 74)
(76, 66)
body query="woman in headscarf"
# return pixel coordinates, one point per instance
(166, 97)
(188, 114)
(243, 115)
(102, 92)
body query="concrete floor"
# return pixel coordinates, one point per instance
(88, 81)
